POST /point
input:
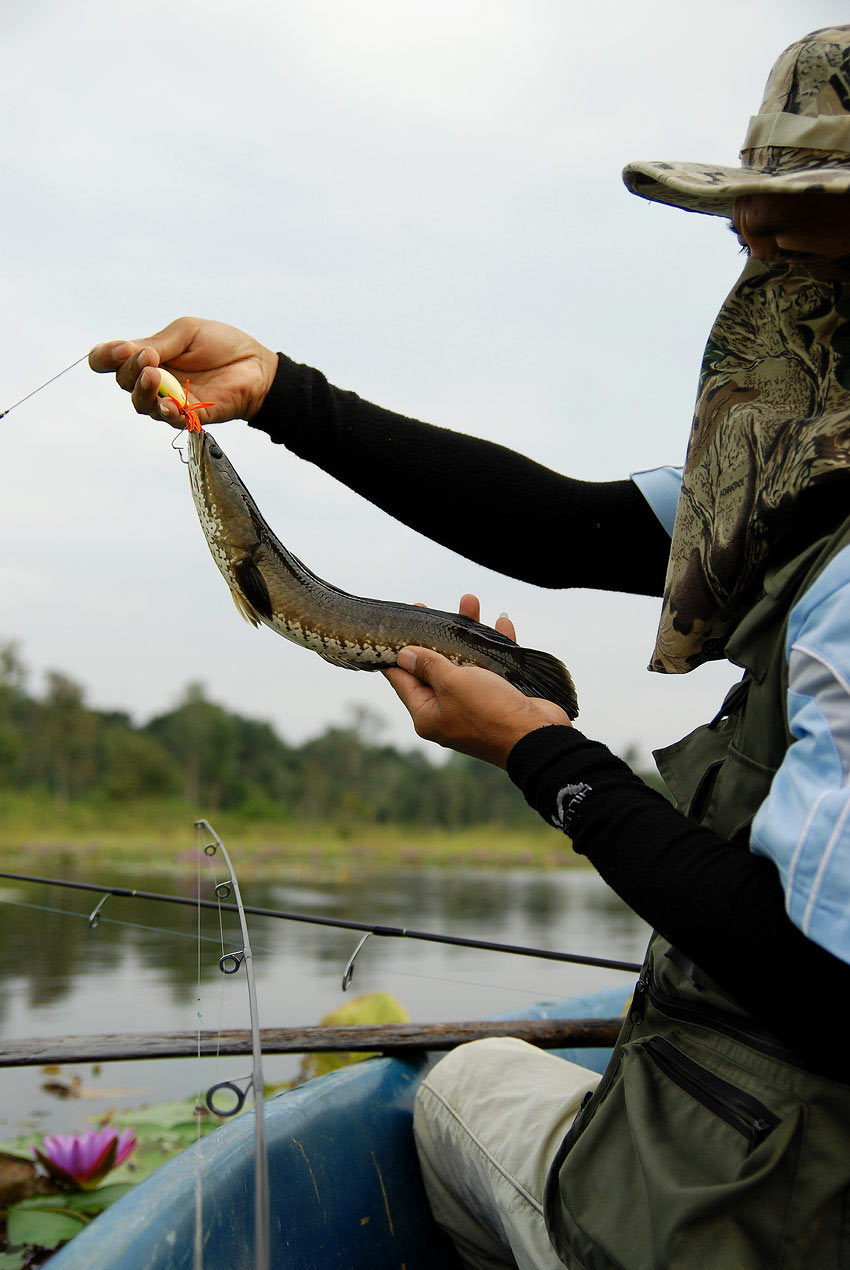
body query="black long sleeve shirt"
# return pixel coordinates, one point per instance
(722, 906)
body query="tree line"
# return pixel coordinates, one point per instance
(213, 758)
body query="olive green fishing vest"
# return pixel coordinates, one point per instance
(708, 1145)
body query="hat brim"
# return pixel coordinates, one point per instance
(700, 187)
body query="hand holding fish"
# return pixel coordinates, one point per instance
(466, 708)
(221, 362)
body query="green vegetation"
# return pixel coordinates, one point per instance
(74, 778)
(205, 755)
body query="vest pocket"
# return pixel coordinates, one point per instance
(741, 1111)
(677, 1167)
(737, 791)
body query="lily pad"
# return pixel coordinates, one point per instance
(371, 1007)
(45, 1227)
(162, 1115)
(14, 1260)
(48, 1220)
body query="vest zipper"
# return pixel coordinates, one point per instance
(719, 1020)
(740, 1110)
(637, 1009)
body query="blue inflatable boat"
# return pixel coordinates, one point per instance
(344, 1180)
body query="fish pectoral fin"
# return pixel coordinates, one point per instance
(244, 608)
(252, 584)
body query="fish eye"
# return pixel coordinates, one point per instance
(215, 452)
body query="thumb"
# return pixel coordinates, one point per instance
(424, 663)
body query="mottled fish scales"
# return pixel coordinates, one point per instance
(271, 586)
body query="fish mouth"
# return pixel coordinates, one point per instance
(203, 447)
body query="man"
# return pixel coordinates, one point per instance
(720, 1133)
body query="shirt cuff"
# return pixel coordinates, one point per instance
(537, 749)
(276, 412)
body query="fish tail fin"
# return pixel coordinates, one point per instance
(540, 674)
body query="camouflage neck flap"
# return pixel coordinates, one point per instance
(772, 419)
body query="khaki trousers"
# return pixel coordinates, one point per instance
(488, 1120)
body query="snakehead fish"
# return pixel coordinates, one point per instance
(270, 585)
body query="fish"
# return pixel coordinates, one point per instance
(272, 587)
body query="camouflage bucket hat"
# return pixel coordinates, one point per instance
(798, 143)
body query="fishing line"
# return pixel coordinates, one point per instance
(116, 921)
(465, 983)
(52, 379)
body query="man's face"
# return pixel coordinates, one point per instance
(778, 227)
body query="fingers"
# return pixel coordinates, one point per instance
(136, 369)
(412, 694)
(143, 393)
(470, 607)
(105, 358)
(505, 626)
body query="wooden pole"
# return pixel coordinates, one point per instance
(386, 1038)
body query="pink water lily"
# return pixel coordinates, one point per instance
(83, 1160)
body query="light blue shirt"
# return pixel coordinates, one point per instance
(804, 823)
(661, 487)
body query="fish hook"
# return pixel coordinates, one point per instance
(175, 445)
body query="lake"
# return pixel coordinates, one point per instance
(138, 970)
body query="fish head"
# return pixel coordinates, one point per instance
(228, 514)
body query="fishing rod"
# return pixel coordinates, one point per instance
(339, 923)
(230, 964)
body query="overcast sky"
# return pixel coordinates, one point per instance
(424, 201)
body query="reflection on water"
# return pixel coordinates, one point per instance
(140, 969)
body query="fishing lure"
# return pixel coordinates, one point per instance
(169, 387)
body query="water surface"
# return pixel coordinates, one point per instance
(143, 968)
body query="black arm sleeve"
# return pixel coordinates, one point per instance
(486, 502)
(719, 904)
